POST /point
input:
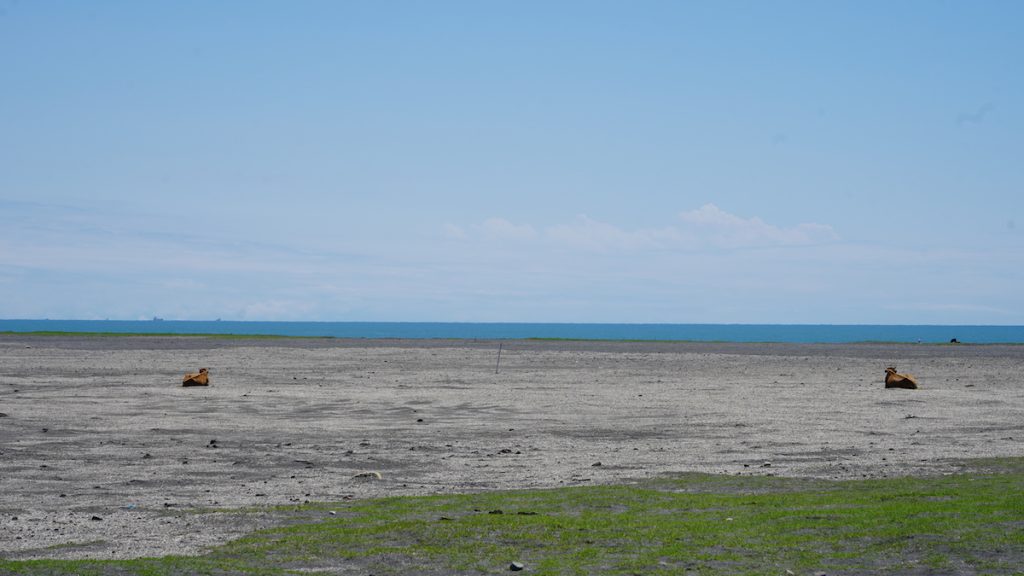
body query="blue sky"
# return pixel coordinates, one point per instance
(777, 162)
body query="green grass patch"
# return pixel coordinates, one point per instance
(693, 523)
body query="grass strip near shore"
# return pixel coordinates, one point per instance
(970, 523)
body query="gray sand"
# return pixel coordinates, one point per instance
(100, 427)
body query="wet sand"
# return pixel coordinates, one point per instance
(102, 450)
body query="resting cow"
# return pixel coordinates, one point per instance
(894, 380)
(201, 378)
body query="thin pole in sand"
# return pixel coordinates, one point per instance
(498, 363)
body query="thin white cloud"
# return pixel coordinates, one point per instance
(277, 310)
(501, 229)
(707, 227)
(706, 265)
(71, 239)
(950, 307)
(724, 230)
(589, 234)
(453, 232)
(976, 116)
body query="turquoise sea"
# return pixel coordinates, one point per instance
(834, 333)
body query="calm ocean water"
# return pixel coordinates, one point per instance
(701, 332)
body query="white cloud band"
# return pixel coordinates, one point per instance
(707, 227)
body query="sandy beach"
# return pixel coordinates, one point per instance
(104, 455)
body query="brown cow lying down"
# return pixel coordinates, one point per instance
(201, 378)
(894, 380)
